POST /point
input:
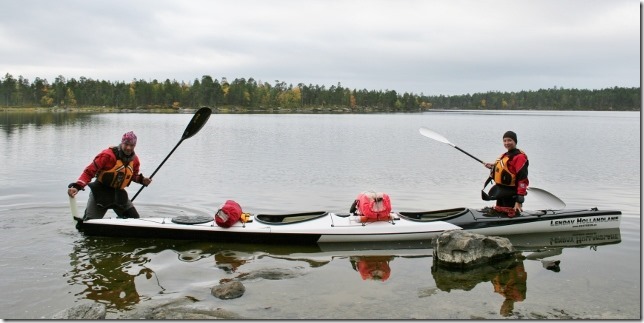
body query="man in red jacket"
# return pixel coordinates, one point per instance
(510, 175)
(114, 169)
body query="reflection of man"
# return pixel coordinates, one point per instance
(372, 267)
(106, 274)
(511, 283)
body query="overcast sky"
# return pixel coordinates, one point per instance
(421, 46)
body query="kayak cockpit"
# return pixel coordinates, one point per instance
(289, 218)
(436, 215)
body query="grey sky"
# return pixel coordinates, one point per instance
(421, 46)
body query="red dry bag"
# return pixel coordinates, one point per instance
(373, 206)
(228, 214)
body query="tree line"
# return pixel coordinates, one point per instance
(259, 96)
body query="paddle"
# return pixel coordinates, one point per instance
(74, 208)
(196, 123)
(556, 202)
(430, 134)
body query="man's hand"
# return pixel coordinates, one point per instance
(73, 188)
(518, 207)
(72, 191)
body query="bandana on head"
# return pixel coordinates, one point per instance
(129, 138)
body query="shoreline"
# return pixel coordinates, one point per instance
(278, 110)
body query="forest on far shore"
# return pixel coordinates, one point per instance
(249, 95)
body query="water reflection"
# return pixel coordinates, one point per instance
(229, 262)
(511, 283)
(12, 120)
(372, 267)
(109, 269)
(509, 277)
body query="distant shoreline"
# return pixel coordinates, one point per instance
(242, 110)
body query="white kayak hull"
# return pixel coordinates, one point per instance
(324, 227)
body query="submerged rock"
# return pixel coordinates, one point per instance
(188, 313)
(82, 312)
(185, 308)
(228, 290)
(270, 274)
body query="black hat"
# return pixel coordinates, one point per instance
(510, 134)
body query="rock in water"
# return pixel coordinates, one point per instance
(82, 312)
(228, 290)
(462, 249)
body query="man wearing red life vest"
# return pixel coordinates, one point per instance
(510, 172)
(114, 168)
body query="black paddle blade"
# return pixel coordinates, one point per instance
(198, 121)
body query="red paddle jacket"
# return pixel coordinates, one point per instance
(105, 160)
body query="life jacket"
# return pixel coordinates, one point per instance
(372, 206)
(501, 171)
(120, 175)
(228, 214)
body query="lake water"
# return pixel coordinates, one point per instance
(295, 163)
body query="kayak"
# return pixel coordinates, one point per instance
(327, 227)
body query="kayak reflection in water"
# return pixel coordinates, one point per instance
(372, 267)
(511, 283)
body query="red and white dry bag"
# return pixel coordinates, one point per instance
(228, 214)
(372, 206)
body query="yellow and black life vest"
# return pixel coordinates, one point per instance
(120, 175)
(501, 172)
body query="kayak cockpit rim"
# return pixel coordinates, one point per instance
(277, 219)
(435, 215)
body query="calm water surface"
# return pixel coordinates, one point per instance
(296, 163)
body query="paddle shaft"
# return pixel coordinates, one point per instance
(159, 167)
(465, 152)
(197, 122)
(440, 138)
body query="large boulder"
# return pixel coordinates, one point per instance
(462, 249)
